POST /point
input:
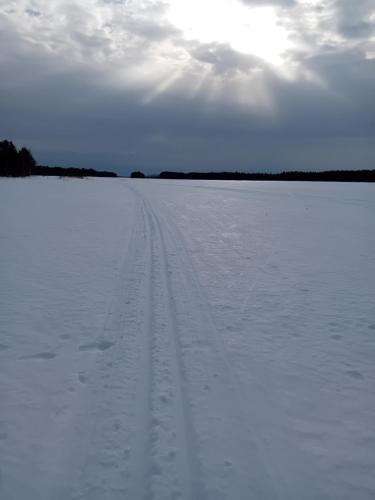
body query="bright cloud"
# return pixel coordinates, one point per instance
(247, 30)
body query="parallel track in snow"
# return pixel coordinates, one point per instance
(162, 460)
(189, 388)
(261, 438)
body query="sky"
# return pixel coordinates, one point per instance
(252, 85)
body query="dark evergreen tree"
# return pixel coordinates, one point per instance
(27, 163)
(137, 175)
(8, 159)
(14, 163)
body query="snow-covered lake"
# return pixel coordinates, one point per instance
(186, 340)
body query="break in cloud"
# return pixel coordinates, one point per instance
(188, 84)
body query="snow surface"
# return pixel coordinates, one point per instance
(186, 340)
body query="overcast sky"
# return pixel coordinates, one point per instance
(190, 84)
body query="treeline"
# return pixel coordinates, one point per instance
(71, 172)
(324, 176)
(14, 163)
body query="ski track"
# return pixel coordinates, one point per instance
(169, 413)
(146, 450)
(240, 463)
(262, 437)
(214, 401)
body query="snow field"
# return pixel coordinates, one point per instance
(186, 340)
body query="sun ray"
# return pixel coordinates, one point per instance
(254, 31)
(163, 85)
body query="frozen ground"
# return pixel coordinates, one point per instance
(186, 340)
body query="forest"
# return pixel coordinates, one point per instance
(322, 176)
(21, 163)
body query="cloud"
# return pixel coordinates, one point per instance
(114, 84)
(356, 19)
(278, 3)
(32, 12)
(224, 60)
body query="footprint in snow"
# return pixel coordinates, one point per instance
(336, 336)
(355, 374)
(102, 345)
(82, 378)
(40, 355)
(65, 336)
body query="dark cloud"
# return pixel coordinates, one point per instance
(354, 18)
(357, 30)
(119, 87)
(33, 12)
